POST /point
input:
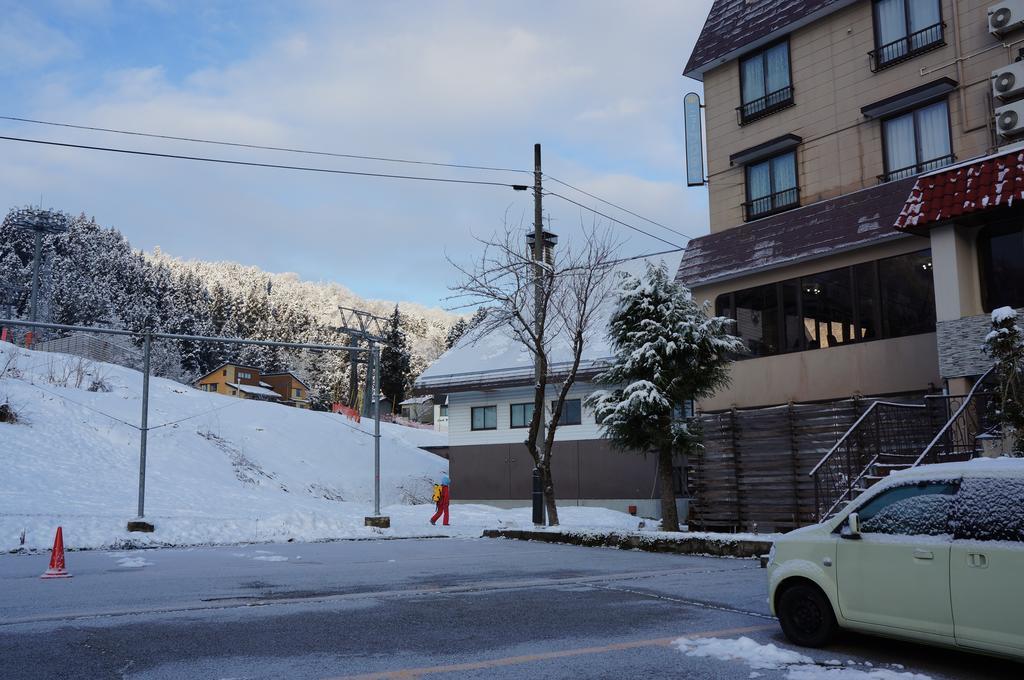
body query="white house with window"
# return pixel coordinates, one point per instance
(489, 408)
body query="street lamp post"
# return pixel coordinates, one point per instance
(40, 221)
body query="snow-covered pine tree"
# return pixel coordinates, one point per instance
(1005, 344)
(668, 350)
(456, 332)
(395, 360)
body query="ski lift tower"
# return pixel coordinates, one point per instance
(40, 221)
(362, 325)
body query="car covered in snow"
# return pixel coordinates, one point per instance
(933, 554)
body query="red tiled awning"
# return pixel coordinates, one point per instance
(984, 184)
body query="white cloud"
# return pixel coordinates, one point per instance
(596, 82)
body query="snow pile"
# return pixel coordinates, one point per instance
(797, 666)
(219, 469)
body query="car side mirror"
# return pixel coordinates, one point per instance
(852, 528)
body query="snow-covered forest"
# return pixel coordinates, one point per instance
(92, 276)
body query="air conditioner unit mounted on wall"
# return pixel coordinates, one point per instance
(1005, 17)
(1010, 120)
(1008, 82)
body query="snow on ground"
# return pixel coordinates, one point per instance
(797, 666)
(219, 469)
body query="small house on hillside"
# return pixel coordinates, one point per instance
(418, 409)
(293, 391)
(246, 382)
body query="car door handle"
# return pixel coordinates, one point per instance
(977, 560)
(923, 554)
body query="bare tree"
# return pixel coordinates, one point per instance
(573, 282)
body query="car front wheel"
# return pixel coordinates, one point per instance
(806, 616)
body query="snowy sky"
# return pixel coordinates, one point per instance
(596, 82)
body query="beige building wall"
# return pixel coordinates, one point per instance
(889, 366)
(842, 150)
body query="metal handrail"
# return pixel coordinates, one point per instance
(774, 203)
(769, 103)
(879, 61)
(917, 168)
(853, 427)
(853, 485)
(949, 423)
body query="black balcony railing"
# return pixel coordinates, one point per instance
(911, 170)
(771, 204)
(916, 43)
(763, 106)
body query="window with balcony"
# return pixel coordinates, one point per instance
(765, 83)
(904, 29)
(771, 186)
(917, 141)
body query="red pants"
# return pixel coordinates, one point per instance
(442, 507)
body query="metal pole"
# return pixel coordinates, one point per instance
(371, 388)
(35, 275)
(144, 429)
(376, 432)
(538, 288)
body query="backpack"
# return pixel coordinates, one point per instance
(436, 497)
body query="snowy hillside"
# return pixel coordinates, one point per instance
(229, 468)
(219, 469)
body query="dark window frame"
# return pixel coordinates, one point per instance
(579, 411)
(728, 300)
(472, 420)
(511, 415)
(877, 64)
(892, 174)
(985, 273)
(775, 207)
(773, 101)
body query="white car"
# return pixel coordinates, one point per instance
(933, 554)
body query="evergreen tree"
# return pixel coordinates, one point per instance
(455, 333)
(395, 360)
(668, 350)
(1005, 344)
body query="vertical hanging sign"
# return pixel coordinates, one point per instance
(694, 141)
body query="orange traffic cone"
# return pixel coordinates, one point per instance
(57, 569)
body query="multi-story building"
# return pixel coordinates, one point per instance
(820, 115)
(246, 382)
(293, 391)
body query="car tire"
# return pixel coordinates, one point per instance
(806, 615)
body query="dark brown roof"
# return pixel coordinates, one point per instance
(742, 25)
(846, 222)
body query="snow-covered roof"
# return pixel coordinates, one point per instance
(414, 401)
(255, 390)
(499, 359)
(268, 386)
(978, 467)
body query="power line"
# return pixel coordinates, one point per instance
(264, 147)
(609, 217)
(276, 166)
(615, 205)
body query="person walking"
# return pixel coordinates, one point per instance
(442, 500)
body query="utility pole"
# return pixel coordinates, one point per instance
(538, 302)
(139, 523)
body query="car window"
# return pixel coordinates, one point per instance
(990, 510)
(917, 509)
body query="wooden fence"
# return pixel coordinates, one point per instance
(753, 470)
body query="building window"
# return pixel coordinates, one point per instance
(887, 298)
(225, 371)
(521, 415)
(572, 413)
(1001, 250)
(771, 186)
(765, 83)
(297, 392)
(905, 28)
(242, 375)
(444, 411)
(484, 417)
(917, 141)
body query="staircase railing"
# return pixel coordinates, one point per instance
(957, 439)
(886, 432)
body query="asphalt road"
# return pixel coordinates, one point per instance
(467, 608)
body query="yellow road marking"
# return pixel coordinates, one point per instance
(544, 656)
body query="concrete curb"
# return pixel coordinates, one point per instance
(684, 545)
